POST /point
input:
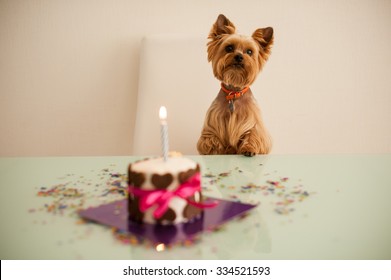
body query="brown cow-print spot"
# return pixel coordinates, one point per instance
(185, 175)
(169, 215)
(191, 211)
(134, 178)
(133, 208)
(162, 181)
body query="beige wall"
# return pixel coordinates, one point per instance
(69, 71)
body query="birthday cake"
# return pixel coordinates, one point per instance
(164, 192)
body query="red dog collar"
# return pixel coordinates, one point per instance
(233, 94)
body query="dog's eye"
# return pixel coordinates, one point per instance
(249, 52)
(229, 48)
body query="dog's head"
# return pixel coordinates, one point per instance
(237, 59)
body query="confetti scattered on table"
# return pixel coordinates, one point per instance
(284, 195)
(74, 192)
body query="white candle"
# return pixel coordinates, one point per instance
(164, 131)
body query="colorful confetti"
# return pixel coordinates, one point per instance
(71, 196)
(284, 196)
(106, 185)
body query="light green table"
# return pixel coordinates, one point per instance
(346, 215)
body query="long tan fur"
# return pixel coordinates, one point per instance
(240, 131)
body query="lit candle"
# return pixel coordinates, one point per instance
(164, 131)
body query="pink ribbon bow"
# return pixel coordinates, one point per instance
(162, 198)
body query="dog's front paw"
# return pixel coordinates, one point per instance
(210, 146)
(247, 151)
(249, 154)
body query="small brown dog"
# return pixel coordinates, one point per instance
(233, 123)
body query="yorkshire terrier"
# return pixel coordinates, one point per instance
(233, 123)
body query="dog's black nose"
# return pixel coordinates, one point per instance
(238, 58)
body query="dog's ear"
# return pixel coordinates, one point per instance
(264, 37)
(222, 26)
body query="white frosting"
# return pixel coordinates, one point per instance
(173, 165)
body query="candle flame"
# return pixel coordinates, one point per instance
(163, 113)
